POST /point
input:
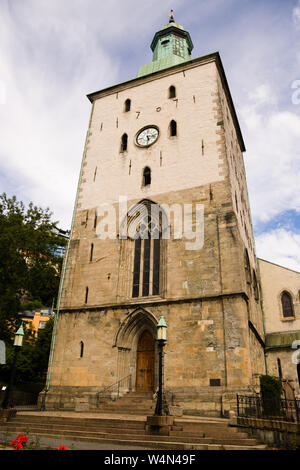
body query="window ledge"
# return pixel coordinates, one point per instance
(288, 318)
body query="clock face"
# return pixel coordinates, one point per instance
(147, 136)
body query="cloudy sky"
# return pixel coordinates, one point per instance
(53, 53)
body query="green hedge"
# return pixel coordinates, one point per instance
(271, 390)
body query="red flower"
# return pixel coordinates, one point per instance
(18, 443)
(62, 448)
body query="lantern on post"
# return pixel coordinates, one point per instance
(18, 341)
(161, 340)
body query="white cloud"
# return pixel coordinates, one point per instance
(272, 159)
(281, 247)
(262, 94)
(45, 113)
(296, 15)
(53, 54)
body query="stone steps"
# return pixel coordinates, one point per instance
(183, 435)
(130, 436)
(140, 403)
(203, 430)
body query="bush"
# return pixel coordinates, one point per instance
(271, 390)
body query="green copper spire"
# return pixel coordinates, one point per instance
(171, 46)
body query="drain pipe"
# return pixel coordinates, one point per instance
(65, 266)
(263, 312)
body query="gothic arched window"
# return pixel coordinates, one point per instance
(146, 176)
(173, 128)
(127, 105)
(147, 250)
(287, 305)
(172, 92)
(124, 140)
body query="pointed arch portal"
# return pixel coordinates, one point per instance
(135, 340)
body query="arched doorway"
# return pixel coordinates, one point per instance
(145, 362)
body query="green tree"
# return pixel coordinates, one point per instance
(42, 350)
(29, 271)
(32, 362)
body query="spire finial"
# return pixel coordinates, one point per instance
(171, 20)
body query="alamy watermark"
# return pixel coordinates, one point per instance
(152, 221)
(296, 354)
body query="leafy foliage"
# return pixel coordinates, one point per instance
(270, 386)
(29, 271)
(32, 362)
(271, 390)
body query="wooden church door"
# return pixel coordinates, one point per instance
(145, 363)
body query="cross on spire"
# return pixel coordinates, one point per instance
(171, 20)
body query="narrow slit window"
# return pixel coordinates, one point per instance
(124, 141)
(91, 252)
(255, 286)
(147, 176)
(279, 367)
(172, 92)
(173, 128)
(86, 295)
(81, 348)
(127, 105)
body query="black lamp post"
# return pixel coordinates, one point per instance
(161, 340)
(8, 400)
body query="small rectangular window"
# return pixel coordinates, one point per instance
(215, 382)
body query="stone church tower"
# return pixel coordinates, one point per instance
(161, 225)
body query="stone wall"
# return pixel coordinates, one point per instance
(281, 434)
(215, 329)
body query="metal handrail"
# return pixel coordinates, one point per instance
(116, 384)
